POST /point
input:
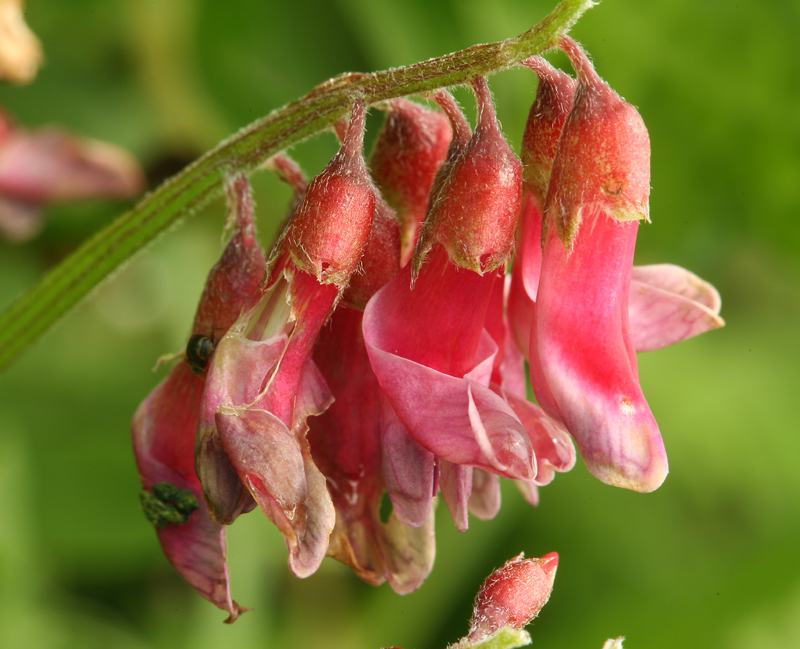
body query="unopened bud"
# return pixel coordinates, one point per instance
(545, 121)
(512, 596)
(328, 232)
(603, 158)
(410, 148)
(20, 50)
(381, 259)
(476, 199)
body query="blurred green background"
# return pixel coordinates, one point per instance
(712, 559)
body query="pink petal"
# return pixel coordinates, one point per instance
(484, 501)
(587, 356)
(408, 469)
(163, 441)
(458, 419)
(346, 446)
(552, 445)
(456, 486)
(669, 304)
(276, 467)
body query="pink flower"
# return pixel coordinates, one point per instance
(262, 383)
(165, 424)
(665, 303)
(581, 350)
(425, 335)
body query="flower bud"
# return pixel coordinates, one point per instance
(603, 156)
(512, 596)
(410, 148)
(476, 199)
(545, 120)
(381, 260)
(328, 232)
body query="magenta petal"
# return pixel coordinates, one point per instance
(484, 501)
(163, 439)
(456, 486)
(587, 356)
(668, 304)
(407, 469)
(457, 419)
(278, 470)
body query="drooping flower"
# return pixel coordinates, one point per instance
(51, 166)
(425, 334)
(598, 192)
(165, 424)
(262, 383)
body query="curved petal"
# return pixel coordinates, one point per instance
(457, 419)
(277, 468)
(163, 441)
(456, 486)
(668, 304)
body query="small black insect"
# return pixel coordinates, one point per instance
(198, 352)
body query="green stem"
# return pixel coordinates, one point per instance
(40, 308)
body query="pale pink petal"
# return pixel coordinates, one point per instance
(552, 445)
(484, 501)
(459, 420)
(455, 484)
(668, 304)
(408, 469)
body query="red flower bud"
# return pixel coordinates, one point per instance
(410, 148)
(512, 596)
(603, 156)
(476, 199)
(545, 121)
(331, 248)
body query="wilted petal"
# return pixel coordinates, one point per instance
(163, 441)
(669, 304)
(276, 467)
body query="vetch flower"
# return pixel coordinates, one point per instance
(598, 192)
(165, 424)
(262, 383)
(425, 334)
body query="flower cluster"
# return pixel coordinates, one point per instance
(378, 356)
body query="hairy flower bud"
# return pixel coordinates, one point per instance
(512, 596)
(476, 198)
(328, 248)
(410, 148)
(603, 156)
(545, 121)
